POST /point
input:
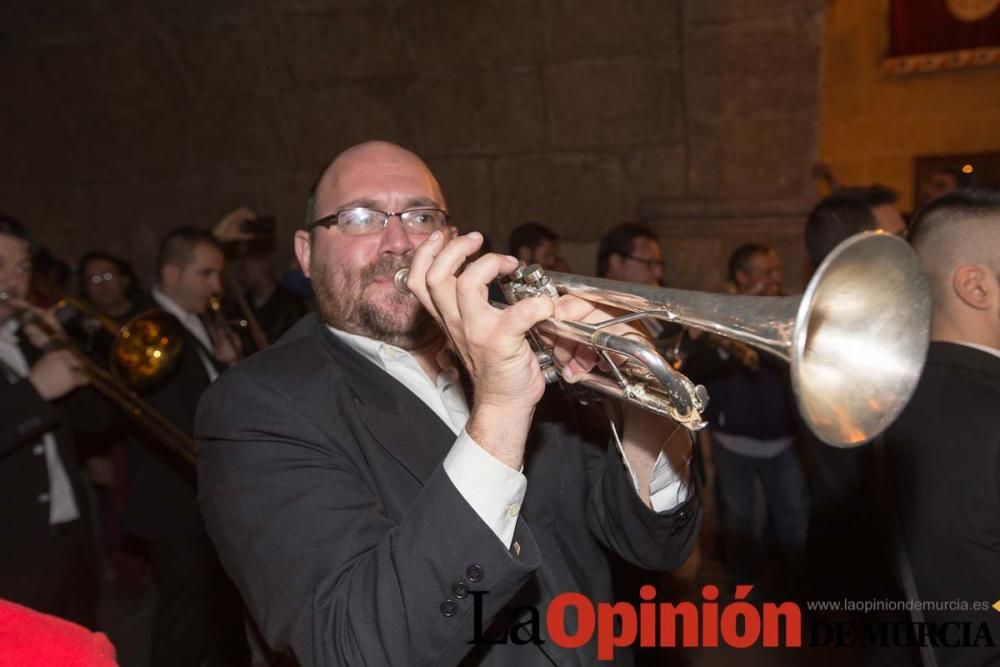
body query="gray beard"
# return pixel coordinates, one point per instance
(340, 299)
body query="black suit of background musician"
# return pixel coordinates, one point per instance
(198, 617)
(46, 558)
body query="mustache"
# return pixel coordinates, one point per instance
(387, 266)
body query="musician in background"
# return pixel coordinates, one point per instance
(46, 557)
(630, 252)
(109, 285)
(110, 289)
(534, 243)
(943, 453)
(753, 430)
(198, 617)
(842, 480)
(358, 494)
(273, 306)
(849, 211)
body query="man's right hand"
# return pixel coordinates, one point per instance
(490, 342)
(56, 374)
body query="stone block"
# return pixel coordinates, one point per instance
(59, 219)
(656, 171)
(468, 192)
(22, 75)
(22, 200)
(580, 255)
(753, 158)
(133, 142)
(764, 67)
(339, 43)
(197, 12)
(477, 111)
(612, 102)
(283, 194)
(229, 58)
(235, 132)
(321, 123)
(39, 145)
(578, 195)
(59, 21)
(738, 10)
(585, 29)
(704, 161)
(129, 68)
(444, 35)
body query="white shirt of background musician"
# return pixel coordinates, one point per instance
(492, 488)
(62, 503)
(195, 327)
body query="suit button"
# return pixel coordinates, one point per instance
(474, 573)
(43, 497)
(459, 589)
(38, 450)
(449, 608)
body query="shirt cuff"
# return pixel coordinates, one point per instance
(668, 488)
(492, 488)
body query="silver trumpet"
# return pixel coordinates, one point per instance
(855, 340)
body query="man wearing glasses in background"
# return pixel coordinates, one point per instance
(108, 284)
(631, 253)
(363, 500)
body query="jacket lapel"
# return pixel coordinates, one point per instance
(399, 421)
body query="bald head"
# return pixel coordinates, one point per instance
(957, 238)
(354, 168)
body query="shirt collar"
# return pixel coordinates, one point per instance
(385, 355)
(8, 331)
(983, 348)
(171, 306)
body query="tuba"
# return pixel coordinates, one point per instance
(855, 340)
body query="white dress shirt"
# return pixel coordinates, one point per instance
(492, 488)
(193, 324)
(62, 503)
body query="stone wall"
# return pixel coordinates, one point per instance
(126, 118)
(874, 123)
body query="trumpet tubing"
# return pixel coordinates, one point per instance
(855, 340)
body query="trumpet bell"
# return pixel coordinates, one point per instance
(860, 339)
(147, 349)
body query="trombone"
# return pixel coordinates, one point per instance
(855, 340)
(146, 349)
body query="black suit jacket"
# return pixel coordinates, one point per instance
(944, 454)
(162, 498)
(322, 486)
(24, 479)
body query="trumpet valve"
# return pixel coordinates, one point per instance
(526, 281)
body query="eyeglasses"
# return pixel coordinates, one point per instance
(650, 264)
(99, 278)
(362, 221)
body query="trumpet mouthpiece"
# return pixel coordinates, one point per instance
(399, 280)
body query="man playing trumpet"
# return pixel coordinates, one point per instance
(46, 561)
(358, 494)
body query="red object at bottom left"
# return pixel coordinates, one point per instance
(29, 638)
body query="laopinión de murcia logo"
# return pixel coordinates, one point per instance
(708, 623)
